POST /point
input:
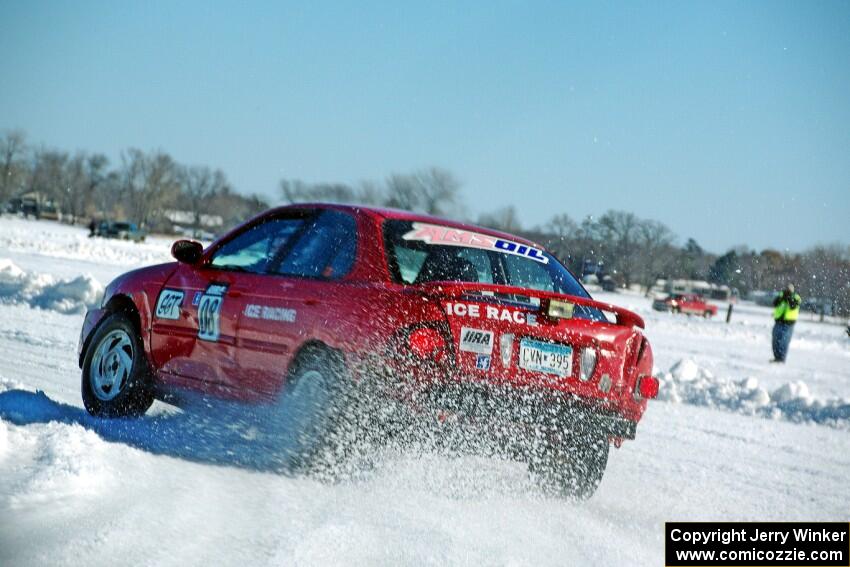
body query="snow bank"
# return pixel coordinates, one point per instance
(69, 465)
(687, 382)
(56, 240)
(46, 291)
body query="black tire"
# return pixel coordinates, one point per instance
(315, 413)
(103, 359)
(573, 469)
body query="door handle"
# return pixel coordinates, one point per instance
(311, 301)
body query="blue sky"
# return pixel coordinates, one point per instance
(729, 122)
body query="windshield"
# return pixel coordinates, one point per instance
(420, 253)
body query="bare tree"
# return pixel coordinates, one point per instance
(48, 175)
(200, 184)
(151, 184)
(76, 185)
(505, 219)
(562, 231)
(371, 193)
(109, 196)
(234, 208)
(655, 252)
(617, 233)
(96, 174)
(434, 191)
(12, 166)
(296, 191)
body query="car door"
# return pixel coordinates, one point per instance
(299, 299)
(194, 329)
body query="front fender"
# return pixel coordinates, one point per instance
(90, 323)
(137, 291)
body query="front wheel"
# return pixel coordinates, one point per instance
(573, 469)
(116, 376)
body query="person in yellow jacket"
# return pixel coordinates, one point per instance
(786, 309)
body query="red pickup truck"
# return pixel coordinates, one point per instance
(688, 303)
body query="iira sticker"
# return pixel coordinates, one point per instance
(476, 340)
(445, 236)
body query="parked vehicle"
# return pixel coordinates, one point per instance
(688, 303)
(328, 311)
(122, 230)
(33, 204)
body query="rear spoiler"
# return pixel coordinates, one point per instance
(623, 317)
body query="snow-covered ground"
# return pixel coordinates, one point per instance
(733, 438)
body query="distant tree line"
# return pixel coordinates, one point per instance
(631, 250)
(142, 187)
(434, 191)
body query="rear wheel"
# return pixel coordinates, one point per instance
(315, 413)
(708, 314)
(116, 376)
(573, 469)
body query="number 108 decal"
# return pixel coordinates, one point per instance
(209, 309)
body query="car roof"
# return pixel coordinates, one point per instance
(386, 213)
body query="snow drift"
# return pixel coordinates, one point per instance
(60, 241)
(46, 291)
(687, 382)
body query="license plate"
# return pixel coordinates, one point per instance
(538, 356)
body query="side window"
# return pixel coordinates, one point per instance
(326, 249)
(253, 250)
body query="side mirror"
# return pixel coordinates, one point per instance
(187, 251)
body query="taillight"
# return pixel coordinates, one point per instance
(427, 343)
(646, 388)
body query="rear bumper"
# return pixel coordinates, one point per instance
(547, 410)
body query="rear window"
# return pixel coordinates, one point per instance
(420, 253)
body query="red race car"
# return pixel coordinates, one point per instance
(688, 303)
(318, 309)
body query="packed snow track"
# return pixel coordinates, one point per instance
(732, 438)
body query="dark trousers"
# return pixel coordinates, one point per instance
(781, 339)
